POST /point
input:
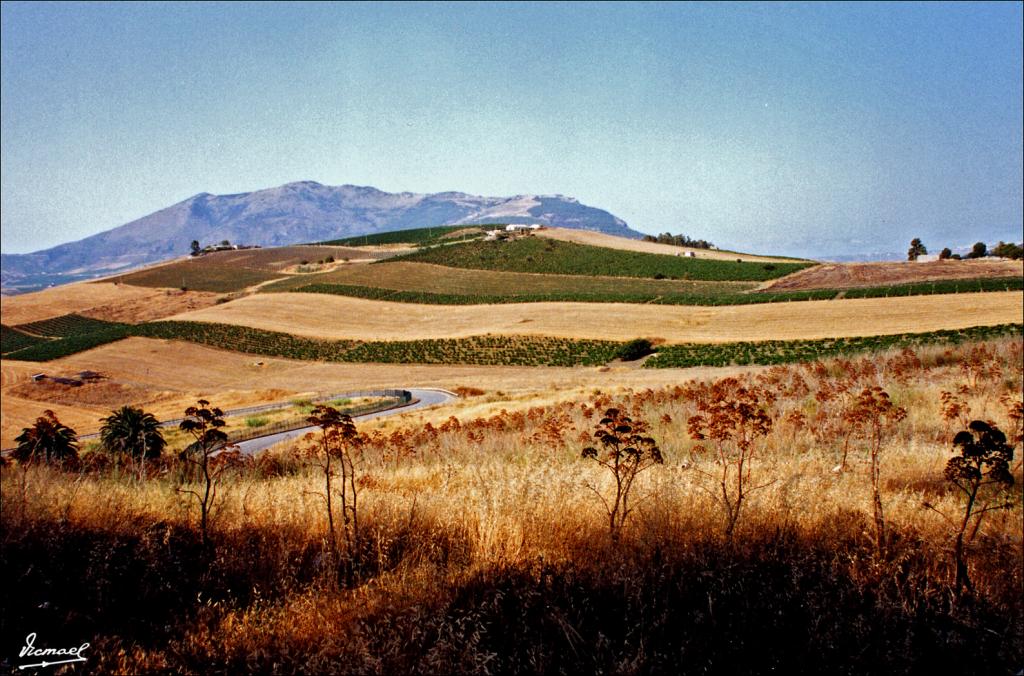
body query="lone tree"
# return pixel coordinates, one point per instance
(917, 248)
(635, 349)
(945, 254)
(337, 437)
(48, 440)
(132, 432)
(979, 250)
(981, 472)
(625, 451)
(195, 249)
(204, 424)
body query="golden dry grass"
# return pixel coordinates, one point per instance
(14, 372)
(612, 242)
(101, 300)
(486, 476)
(479, 499)
(341, 317)
(19, 413)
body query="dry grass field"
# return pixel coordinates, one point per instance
(102, 300)
(484, 546)
(314, 315)
(612, 242)
(861, 275)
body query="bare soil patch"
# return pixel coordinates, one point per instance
(103, 393)
(338, 317)
(612, 242)
(858, 275)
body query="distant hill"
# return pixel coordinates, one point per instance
(293, 213)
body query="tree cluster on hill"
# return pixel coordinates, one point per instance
(1008, 250)
(679, 240)
(979, 250)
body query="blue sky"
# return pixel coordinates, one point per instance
(786, 128)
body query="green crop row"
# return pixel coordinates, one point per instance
(412, 236)
(542, 255)
(428, 298)
(12, 340)
(245, 339)
(481, 350)
(787, 351)
(941, 286)
(488, 351)
(63, 347)
(61, 336)
(65, 326)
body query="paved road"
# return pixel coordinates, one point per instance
(420, 399)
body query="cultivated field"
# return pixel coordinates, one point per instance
(340, 317)
(410, 237)
(861, 275)
(228, 271)
(601, 239)
(548, 256)
(439, 279)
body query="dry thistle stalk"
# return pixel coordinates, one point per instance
(204, 423)
(733, 417)
(870, 417)
(982, 474)
(337, 437)
(625, 452)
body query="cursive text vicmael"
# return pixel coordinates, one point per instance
(29, 650)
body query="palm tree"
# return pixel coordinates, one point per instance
(132, 432)
(48, 440)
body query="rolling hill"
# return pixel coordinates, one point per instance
(293, 213)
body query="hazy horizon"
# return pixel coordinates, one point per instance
(814, 130)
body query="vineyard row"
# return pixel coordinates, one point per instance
(486, 350)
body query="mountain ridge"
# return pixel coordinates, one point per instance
(292, 213)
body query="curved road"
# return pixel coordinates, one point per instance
(420, 399)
